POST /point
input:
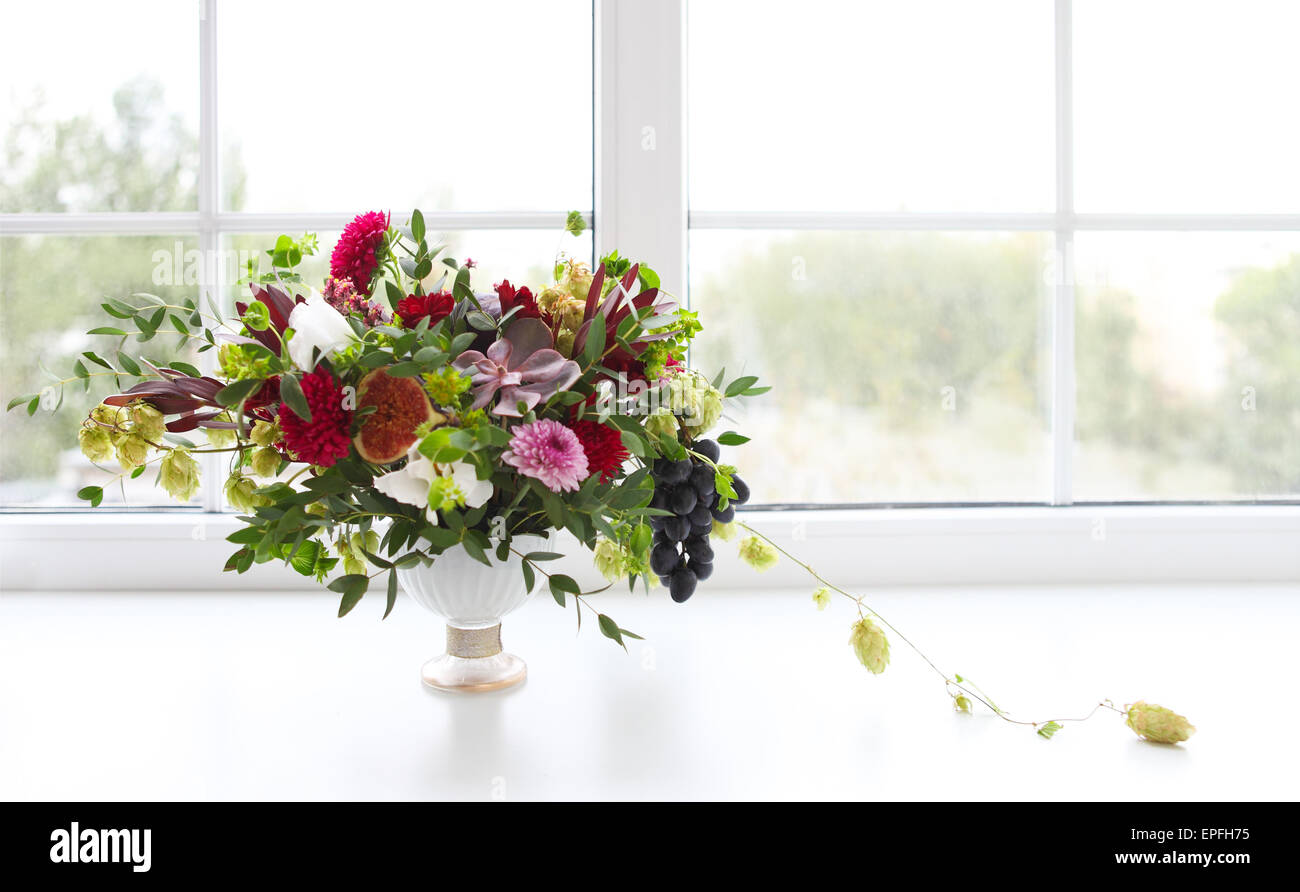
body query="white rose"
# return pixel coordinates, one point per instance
(317, 327)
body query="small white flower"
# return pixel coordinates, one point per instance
(317, 327)
(411, 483)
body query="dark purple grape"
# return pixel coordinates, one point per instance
(659, 500)
(702, 569)
(681, 584)
(656, 522)
(663, 558)
(700, 515)
(677, 471)
(660, 536)
(702, 481)
(702, 529)
(683, 500)
(742, 490)
(726, 515)
(677, 528)
(707, 448)
(699, 549)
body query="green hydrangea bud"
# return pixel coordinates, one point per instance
(220, 437)
(610, 559)
(96, 444)
(758, 554)
(724, 531)
(822, 597)
(240, 494)
(1158, 724)
(178, 473)
(870, 645)
(265, 433)
(132, 451)
(265, 461)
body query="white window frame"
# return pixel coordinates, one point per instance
(640, 207)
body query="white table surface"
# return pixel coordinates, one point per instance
(733, 695)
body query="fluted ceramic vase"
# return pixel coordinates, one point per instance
(472, 598)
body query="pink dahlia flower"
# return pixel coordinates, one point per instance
(550, 452)
(354, 255)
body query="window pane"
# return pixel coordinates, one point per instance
(51, 288)
(1186, 107)
(99, 106)
(1188, 348)
(906, 367)
(833, 106)
(437, 105)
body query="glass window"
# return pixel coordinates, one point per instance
(99, 107)
(488, 108)
(906, 367)
(1187, 363)
(1186, 107)
(51, 288)
(941, 105)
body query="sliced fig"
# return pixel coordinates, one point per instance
(400, 407)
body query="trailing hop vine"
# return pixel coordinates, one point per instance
(871, 646)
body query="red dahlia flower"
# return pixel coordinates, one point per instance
(414, 308)
(603, 446)
(326, 438)
(522, 297)
(354, 255)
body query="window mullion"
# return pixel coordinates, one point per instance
(210, 270)
(1063, 367)
(640, 105)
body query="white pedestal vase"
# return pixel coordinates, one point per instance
(472, 598)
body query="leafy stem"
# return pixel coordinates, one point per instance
(958, 682)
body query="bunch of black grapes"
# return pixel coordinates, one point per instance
(681, 555)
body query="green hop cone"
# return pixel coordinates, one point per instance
(961, 703)
(870, 645)
(149, 422)
(178, 473)
(265, 461)
(353, 565)
(220, 437)
(106, 414)
(1157, 724)
(132, 451)
(724, 531)
(265, 433)
(96, 444)
(241, 495)
(611, 560)
(758, 554)
(822, 597)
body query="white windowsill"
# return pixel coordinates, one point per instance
(995, 545)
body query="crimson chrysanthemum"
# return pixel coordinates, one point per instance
(603, 446)
(416, 307)
(325, 439)
(550, 452)
(354, 255)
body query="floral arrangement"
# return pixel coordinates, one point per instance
(396, 414)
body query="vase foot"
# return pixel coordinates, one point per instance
(474, 675)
